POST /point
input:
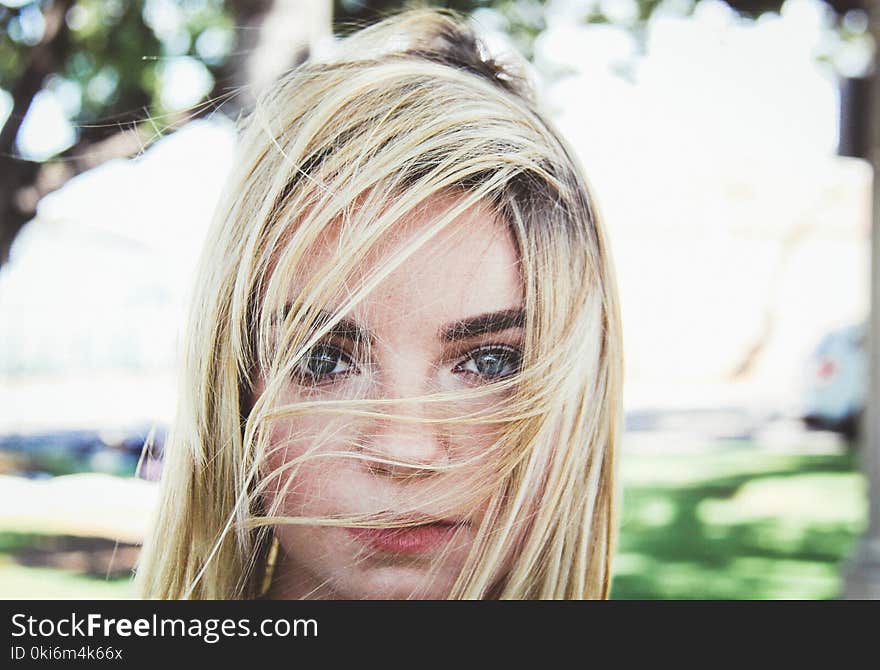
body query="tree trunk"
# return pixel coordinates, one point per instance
(17, 174)
(863, 571)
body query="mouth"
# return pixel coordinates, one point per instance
(410, 540)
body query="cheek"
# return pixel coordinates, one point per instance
(301, 477)
(477, 447)
(478, 434)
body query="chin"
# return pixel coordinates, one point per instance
(398, 583)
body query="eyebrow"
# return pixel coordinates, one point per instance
(481, 324)
(490, 322)
(344, 328)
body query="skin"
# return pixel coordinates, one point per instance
(469, 269)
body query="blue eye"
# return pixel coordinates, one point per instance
(492, 362)
(323, 361)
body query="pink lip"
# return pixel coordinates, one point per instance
(410, 540)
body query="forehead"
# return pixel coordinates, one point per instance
(470, 267)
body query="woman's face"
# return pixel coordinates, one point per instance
(449, 318)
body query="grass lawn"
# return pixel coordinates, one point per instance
(25, 583)
(729, 523)
(19, 581)
(737, 524)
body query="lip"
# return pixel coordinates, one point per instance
(421, 539)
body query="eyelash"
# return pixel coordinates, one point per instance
(307, 377)
(512, 352)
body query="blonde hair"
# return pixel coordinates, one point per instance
(407, 109)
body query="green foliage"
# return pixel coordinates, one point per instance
(108, 60)
(113, 52)
(11, 52)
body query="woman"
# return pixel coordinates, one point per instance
(403, 365)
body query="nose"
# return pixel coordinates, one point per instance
(406, 446)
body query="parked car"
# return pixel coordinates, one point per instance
(836, 388)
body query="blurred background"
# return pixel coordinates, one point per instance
(728, 145)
